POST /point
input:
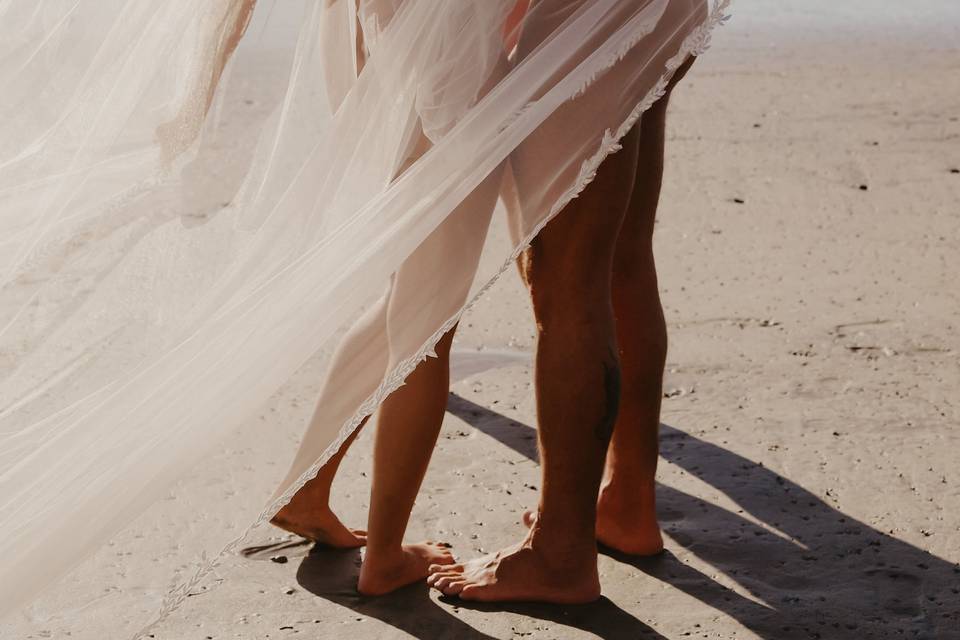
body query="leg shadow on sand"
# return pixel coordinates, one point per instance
(810, 571)
(332, 575)
(818, 572)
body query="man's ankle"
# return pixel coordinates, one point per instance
(618, 488)
(560, 546)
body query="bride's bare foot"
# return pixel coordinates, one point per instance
(522, 573)
(319, 525)
(625, 523)
(384, 572)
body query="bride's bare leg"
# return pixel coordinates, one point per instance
(410, 418)
(308, 513)
(409, 423)
(363, 351)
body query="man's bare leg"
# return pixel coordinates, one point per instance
(626, 511)
(568, 271)
(626, 508)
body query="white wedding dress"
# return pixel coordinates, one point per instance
(149, 303)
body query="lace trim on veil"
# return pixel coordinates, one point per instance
(695, 44)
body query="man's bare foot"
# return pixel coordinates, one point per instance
(383, 573)
(319, 525)
(628, 525)
(627, 521)
(521, 573)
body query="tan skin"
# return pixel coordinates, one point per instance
(594, 290)
(593, 285)
(570, 261)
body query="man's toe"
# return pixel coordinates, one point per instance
(445, 567)
(471, 592)
(454, 588)
(436, 579)
(442, 583)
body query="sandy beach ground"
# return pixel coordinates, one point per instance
(809, 245)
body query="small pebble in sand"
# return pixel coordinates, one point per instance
(290, 591)
(954, 170)
(279, 559)
(739, 200)
(864, 187)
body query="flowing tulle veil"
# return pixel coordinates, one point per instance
(150, 301)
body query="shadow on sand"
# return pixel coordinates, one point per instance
(818, 572)
(810, 570)
(332, 575)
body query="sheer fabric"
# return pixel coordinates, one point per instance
(149, 302)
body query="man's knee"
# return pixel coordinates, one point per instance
(565, 306)
(634, 265)
(570, 285)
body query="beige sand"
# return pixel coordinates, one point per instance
(809, 485)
